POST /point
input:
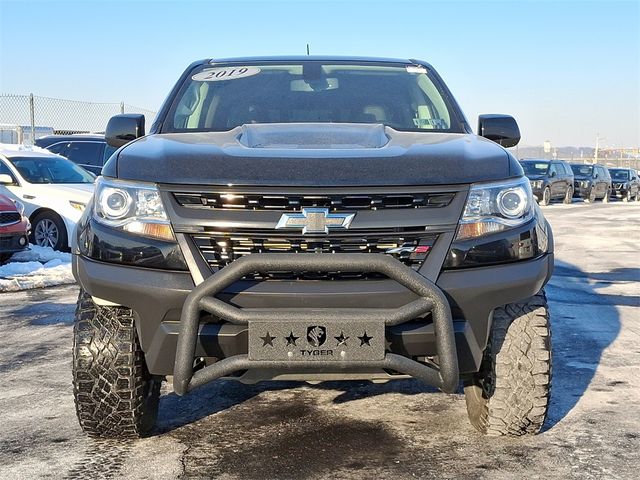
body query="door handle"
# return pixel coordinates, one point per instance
(28, 197)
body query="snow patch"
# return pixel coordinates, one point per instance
(36, 268)
(40, 254)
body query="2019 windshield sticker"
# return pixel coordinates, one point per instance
(225, 73)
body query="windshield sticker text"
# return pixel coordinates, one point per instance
(225, 73)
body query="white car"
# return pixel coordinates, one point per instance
(54, 191)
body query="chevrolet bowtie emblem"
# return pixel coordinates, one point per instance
(315, 220)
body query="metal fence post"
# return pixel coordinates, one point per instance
(32, 119)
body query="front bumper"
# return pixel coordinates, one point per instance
(619, 192)
(15, 242)
(581, 191)
(158, 296)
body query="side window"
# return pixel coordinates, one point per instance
(553, 168)
(85, 153)
(108, 151)
(59, 148)
(4, 170)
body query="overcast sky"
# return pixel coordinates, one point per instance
(566, 70)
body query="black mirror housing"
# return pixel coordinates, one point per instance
(502, 129)
(124, 128)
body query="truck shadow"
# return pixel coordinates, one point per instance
(584, 323)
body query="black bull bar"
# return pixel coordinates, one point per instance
(430, 299)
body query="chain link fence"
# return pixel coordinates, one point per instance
(26, 117)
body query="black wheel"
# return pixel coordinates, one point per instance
(627, 197)
(510, 395)
(48, 230)
(592, 196)
(607, 195)
(546, 196)
(115, 395)
(568, 196)
(4, 257)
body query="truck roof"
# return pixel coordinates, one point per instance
(316, 58)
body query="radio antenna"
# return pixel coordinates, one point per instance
(307, 49)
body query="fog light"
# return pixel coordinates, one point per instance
(22, 241)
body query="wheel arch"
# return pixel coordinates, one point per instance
(69, 228)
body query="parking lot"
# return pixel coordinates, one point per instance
(355, 430)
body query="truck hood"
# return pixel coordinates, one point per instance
(313, 155)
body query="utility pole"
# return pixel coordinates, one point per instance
(595, 155)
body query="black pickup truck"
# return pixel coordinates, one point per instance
(315, 219)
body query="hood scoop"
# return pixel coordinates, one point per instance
(313, 136)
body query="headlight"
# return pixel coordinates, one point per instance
(537, 184)
(19, 206)
(585, 183)
(78, 205)
(132, 207)
(494, 207)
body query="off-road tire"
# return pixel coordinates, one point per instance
(115, 395)
(546, 197)
(568, 196)
(510, 395)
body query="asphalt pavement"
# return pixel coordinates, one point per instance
(346, 430)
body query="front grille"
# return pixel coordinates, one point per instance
(617, 186)
(221, 248)
(335, 202)
(7, 218)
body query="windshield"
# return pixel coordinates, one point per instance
(619, 174)
(220, 98)
(535, 168)
(51, 170)
(582, 170)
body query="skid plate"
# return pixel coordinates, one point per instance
(305, 341)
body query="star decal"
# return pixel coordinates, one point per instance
(267, 340)
(365, 339)
(291, 339)
(342, 340)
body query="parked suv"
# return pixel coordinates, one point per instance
(88, 151)
(625, 184)
(550, 180)
(592, 182)
(317, 219)
(14, 228)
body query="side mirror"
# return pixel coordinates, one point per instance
(553, 174)
(595, 175)
(6, 179)
(124, 128)
(502, 129)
